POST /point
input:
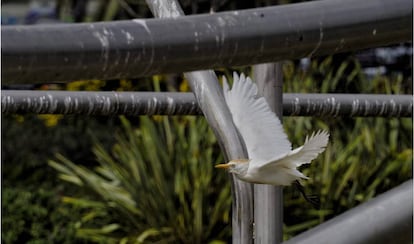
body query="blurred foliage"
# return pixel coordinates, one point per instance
(365, 156)
(157, 184)
(37, 217)
(28, 143)
(87, 85)
(31, 192)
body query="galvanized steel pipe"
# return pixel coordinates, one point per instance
(141, 47)
(388, 218)
(173, 103)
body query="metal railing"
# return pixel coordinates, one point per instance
(180, 44)
(184, 103)
(143, 47)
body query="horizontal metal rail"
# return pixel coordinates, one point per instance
(99, 103)
(174, 103)
(141, 47)
(348, 105)
(387, 218)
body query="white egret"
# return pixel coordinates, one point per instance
(271, 158)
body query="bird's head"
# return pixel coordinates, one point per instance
(238, 166)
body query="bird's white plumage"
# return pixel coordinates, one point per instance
(271, 158)
(261, 130)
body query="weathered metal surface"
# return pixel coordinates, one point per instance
(385, 219)
(349, 105)
(173, 103)
(99, 103)
(141, 47)
(268, 200)
(209, 95)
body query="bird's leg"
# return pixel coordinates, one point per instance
(312, 199)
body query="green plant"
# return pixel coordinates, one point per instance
(365, 156)
(36, 216)
(28, 143)
(157, 185)
(32, 211)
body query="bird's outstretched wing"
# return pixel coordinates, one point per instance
(314, 145)
(261, 130)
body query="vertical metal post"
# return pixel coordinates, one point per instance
(268, 200)
(209, 95)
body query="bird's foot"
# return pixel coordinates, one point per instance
(312, 199)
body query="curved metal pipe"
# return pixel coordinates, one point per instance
(387, 218)
(142, 47)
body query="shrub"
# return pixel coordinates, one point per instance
(364, 157)
(36, 216)
(158, 185)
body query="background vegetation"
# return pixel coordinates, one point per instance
(151, 179)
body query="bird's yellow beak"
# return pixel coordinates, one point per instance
(222, 166)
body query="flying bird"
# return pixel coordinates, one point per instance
(271, 158)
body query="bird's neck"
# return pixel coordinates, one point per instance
(240, 168)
